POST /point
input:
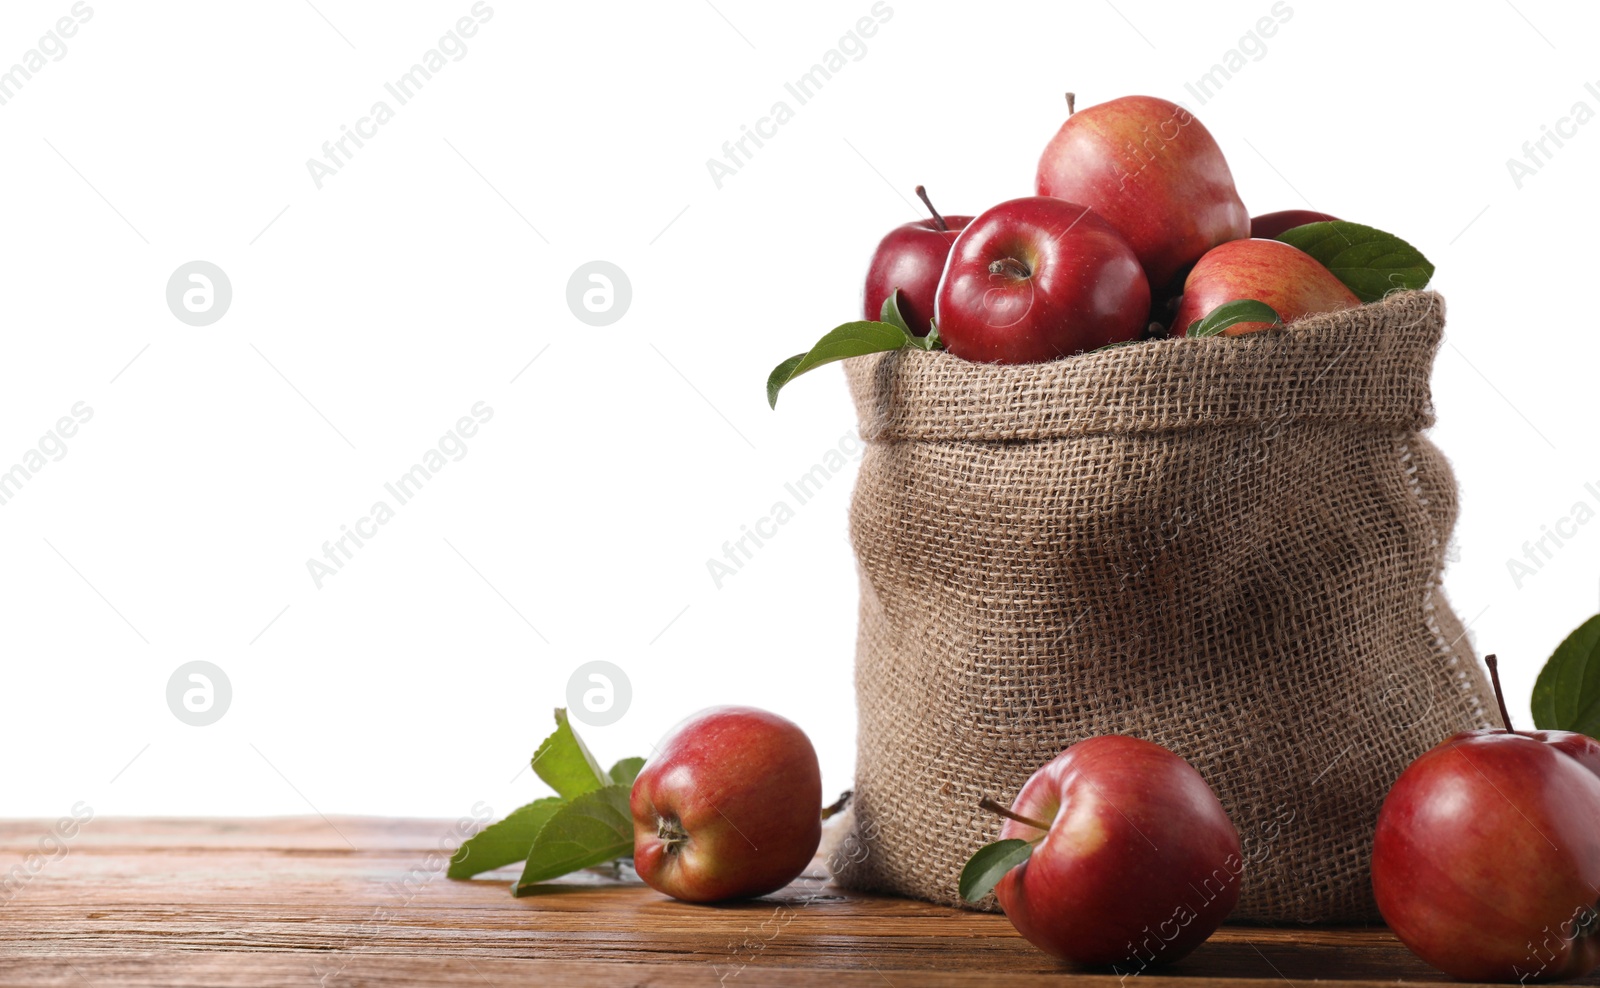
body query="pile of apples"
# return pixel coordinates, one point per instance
(729, 807)
(1136, 232)
(1136, 209)
(1116, 853)
(1486, 862)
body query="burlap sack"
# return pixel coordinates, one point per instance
(1231, 547)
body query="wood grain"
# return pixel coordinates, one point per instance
(348, 902)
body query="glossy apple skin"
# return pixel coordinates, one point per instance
(742, 789)
(1579, 746)
(1083, 286)
(1140, 859)
(1486, 845)
(911, 257)
(1291, 281)
(1267, 226)
(1154, 173)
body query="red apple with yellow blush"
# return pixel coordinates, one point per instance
(1154, 172)
(1293, 282)
(1135, 862)
(728, 807)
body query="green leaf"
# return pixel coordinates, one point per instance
(565, 764)
(1566, 696)
(889, 312)
(780, 376)
(592, 829)
(853, 339)
(929, 342)
(625, 771)
(1240, 310)
(506, 842)
(1371, 263)
(985, 868)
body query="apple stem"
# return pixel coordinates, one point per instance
(1499, 694)
(993, 807)
(1072, 103)
(839, 804)
(939, 220)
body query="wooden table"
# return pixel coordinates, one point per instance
(346, 902)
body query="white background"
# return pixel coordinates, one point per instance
(369, 315)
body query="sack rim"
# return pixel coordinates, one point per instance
(1366, 367)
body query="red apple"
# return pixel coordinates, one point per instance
(1291, 281)
(1034, 279)
(1486, 861)
(1156, 175)
(911, 257)
(1136, 864)
(1267, 226)
(729, 807)
(1579, 746)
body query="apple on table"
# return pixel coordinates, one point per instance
(1486, 861)
(728, 807)
(1134, 862)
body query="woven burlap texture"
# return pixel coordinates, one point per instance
(1231, 547)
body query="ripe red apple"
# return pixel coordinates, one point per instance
(1584, 749)
(1038, 278)
(1267, 226)
(1136, 862)
(729, 807)
(1291, 281)
(1156, 175)
(1486, 861)
(911, 257)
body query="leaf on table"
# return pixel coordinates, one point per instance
(984, 869)
(564, 763)
(592, 829)
(1566, 696)
(505, 842)
(1370, 262)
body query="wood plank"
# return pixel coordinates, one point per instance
(353, 901)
